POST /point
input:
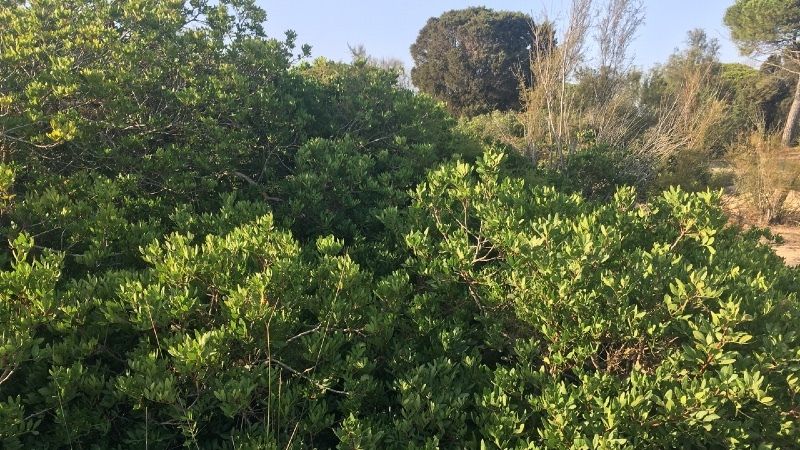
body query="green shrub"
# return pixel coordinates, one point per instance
(523, 318)
(210, 246)
(689, 169)
(595, 172)
(613, 325)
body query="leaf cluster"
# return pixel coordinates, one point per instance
(214, 245)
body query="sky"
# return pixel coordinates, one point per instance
(388, 28)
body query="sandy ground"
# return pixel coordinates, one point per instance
(790, 250)
(740, 213)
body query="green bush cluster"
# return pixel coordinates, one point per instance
(522, 318)
(213, 244)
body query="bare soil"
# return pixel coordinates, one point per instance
(790, 249)
(740, 211)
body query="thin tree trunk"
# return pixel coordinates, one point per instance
(790, 130)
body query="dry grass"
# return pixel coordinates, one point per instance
(550, 111)
(767, 180)
(766, 190)
(687, 126)
(553, 115)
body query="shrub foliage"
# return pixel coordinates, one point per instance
(216, 246)
(522, 318)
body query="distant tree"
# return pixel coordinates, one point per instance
(700, 51)
(360, 55)
(473, 59)
(775, 91)
(771, 27)
(758, 97)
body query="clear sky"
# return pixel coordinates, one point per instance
(388, 28)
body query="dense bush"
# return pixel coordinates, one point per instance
(213, 245)
(596, 172)
(523, 317)
(179, 105)
(613, 325)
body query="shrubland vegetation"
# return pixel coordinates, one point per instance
(215, 242)
(584, 103)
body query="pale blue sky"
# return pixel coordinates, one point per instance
(388, 28)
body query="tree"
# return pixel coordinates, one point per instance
(758, 97)
(473, 59)
(770, 27)
(396, 65)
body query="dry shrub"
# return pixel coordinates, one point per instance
(497, 127)
(616, 119)
(549, 113)
(691, 119)
(767, 178)
(553, 115)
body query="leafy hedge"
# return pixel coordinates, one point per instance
(522, 318)
(613, 325)
(212, 244)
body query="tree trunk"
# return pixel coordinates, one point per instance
(790, 130)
